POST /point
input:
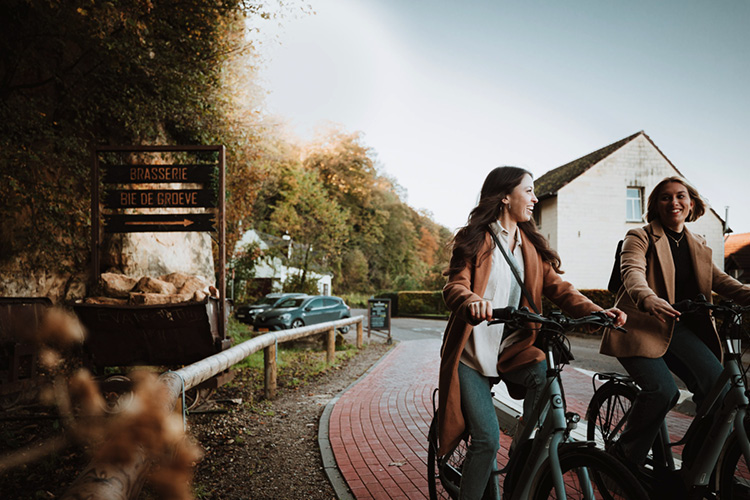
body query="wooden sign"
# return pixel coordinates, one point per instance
(137, 198)
(118, 223)
(158, 174)
(379, 317)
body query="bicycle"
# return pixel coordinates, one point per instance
(544, 461)
(710, 444)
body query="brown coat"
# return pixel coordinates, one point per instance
(468, 286)
(649, 272)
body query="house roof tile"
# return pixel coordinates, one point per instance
(550, 183)
(735, 243)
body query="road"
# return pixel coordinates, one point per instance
(584, 348)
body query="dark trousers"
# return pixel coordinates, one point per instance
(688, 358)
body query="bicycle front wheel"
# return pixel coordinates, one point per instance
(588, 473)
(607, 412)
(734, 475)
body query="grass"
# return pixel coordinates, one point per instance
(296, 362)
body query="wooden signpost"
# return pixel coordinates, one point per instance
(379, 318)
(190, 197)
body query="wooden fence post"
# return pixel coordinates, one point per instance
(269, 366)
(331, 351)
(359, 335)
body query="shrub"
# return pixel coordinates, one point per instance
(603, 298)
(422, 303)
(394, 301)
(358, 300)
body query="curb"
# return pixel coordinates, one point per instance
(340, 486)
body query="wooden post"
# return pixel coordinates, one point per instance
(269, 364)
(359, 335)
(331, 351)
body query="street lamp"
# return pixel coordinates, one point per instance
(287, 237)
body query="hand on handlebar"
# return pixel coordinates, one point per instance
(660, 308)
(481, 310)
(619, 316)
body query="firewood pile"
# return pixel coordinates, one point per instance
(173, 288)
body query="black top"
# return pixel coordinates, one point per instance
(685, 284)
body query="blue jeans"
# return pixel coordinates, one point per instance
(481, 422)
(688, 358)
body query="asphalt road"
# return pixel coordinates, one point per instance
(584, 348)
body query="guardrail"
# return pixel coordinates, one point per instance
(106, 481)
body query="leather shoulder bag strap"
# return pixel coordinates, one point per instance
(514, 271)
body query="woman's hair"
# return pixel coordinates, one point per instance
(499, 183)
(699, 206)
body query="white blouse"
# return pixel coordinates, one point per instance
(483, 346)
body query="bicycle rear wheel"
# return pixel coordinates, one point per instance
(588, 473)
(734, 475)
(443, 473)
(607, 412)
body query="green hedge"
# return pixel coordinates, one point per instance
(422, 303)
(603, 298)
(431, 303)
(394, 301)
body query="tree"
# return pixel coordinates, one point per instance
(87, 72)
(301, 207)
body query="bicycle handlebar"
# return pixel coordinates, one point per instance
(556, 319)
(700, 302)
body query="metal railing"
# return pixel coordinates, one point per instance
(107, 481)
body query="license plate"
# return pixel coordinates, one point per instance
(262, 329)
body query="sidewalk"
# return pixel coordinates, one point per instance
(377, 429)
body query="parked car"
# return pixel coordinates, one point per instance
(294, 312)
(247, 313)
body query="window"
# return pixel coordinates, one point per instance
(538, 215)
(634, 204)
(316, 304)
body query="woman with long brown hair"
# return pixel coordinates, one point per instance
(475, 355)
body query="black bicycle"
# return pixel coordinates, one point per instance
(545, 462)
(716, 452)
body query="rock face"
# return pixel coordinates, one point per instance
(41, 283)
(158, 254)
(168, 289)
(183, 256)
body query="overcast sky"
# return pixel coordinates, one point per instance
(445, 91)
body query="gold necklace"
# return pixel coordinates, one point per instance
(676, 240)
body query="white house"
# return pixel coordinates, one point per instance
(274, 269)
(586, 206)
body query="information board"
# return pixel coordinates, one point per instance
(379, 317)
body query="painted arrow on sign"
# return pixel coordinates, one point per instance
(184, 222)
(132, 223)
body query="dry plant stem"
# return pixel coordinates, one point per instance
(33, 452)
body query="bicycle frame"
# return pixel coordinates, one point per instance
(730, 415)
(550, 411)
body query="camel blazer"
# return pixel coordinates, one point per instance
(468, 286)
(647, 272)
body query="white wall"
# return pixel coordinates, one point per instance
(590, 213)
(549, 224)
(273, 267)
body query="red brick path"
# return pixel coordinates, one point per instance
(378, 428)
